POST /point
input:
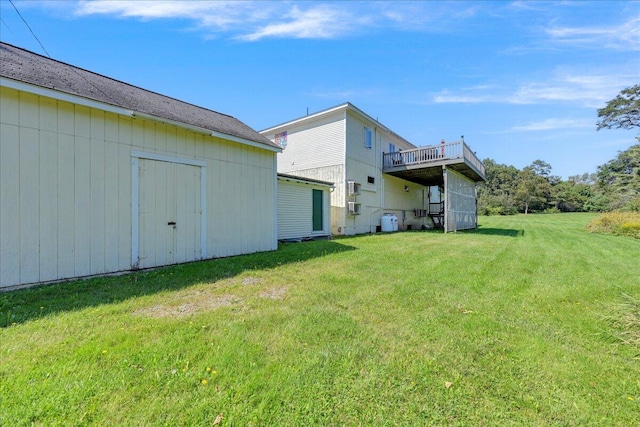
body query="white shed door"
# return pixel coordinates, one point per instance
(169, 213)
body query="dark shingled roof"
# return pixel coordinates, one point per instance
(28, 67)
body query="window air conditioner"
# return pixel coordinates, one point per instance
(354, 208)
(353, 188)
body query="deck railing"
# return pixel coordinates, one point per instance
(433, 153)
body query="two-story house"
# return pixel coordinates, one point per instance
(378, 173)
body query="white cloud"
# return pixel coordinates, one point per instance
(590, 91)
(322, 22)
(554, 124)
(214, 15)
(256, 20)
(625, 36)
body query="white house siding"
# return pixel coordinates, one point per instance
(295, 210)
(66, 185)
(387, 194)
(460, 197)
(402, 198)
(314, 144)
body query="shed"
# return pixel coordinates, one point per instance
(304, 208)
(98, 176)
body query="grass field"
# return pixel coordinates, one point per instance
(513, 324)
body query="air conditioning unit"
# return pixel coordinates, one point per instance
(354, 208)
(353, 188)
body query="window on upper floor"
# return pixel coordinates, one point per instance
(392, 148)
(368, 137)
(371, 180)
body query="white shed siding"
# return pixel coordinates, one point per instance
(313, 144)
(295, 210)
(65, 177)
(337, 197)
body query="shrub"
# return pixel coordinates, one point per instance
(618, 223)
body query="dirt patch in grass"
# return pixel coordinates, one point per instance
(199, 301)
(274, 293)
(251, 280)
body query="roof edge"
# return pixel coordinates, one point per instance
(305, 180)
(346, 106)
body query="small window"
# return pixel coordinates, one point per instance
(371, 180)
(368, 138)
(392, 148)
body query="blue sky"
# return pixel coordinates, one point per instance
(520, 80)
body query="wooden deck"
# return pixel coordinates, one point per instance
(423, 165)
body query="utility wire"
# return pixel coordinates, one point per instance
(5, 24)
(70, 67)
(32, 33)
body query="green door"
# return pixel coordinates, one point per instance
(317, 210)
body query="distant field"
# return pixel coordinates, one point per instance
(513, 324)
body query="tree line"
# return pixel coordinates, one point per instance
(615, 186)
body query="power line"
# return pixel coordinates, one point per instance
(5, 24)
(69, 66)
(32, 33)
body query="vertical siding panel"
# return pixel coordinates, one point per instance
(172, 144)
(111, 178)
(9, 204)
(82, 121)
(181, 142)
(48, 117)
(66, 119)
(66, 203)
(124, 131)
(190, 144)
(29, 202)
(213, 201)
(149, 135)
(111, 127)
(182, 209)
(199, 146)
(124, 207)
(28, 111)
(141, 211)
(9, 106)
(137, 132)
(97, 189)
(224, 221)
(48, 203)
(82, 213)
(161, 138)
(97, 125)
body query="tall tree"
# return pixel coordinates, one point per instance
(623, 111)
(619, 179)
(533, 190)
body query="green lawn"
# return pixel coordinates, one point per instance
(507, 325)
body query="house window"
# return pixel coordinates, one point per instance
(371, 180)
(392, 148)
(368, 138)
